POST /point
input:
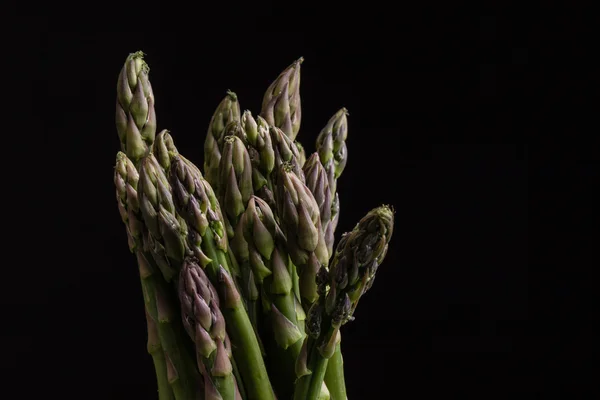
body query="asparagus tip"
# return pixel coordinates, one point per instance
(140, 54)
(232, 95)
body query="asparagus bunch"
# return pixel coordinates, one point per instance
(243, 294)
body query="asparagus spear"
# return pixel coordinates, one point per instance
(281, 103)
(301, 223)
(196, 201)
(205, 325)
(126, 179)
(333, 153)
(235, 175)
(352, 271)
(172, 366)
(227, 111)
(316, 181)
(135, 115)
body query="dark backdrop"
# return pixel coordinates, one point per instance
(429, 133)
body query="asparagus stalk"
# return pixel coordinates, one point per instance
(334, 374)
(227, 111)
(135, 115)
(172, 366)
(357, 257)
(316, 181)
(235, 176)
(156, 350)
(126, 179)
(281, 103)
(196, 201)
(205, 325)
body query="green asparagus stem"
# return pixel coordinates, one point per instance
(205, 325)
(352, 271)
(227, 111)
(196, 201)
(301, 223)
(334, 375)
(158, 357)
(135, 115)
(281, 103)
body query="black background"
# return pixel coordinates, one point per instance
(430, 132)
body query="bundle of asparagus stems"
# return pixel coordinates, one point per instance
(243, 288)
